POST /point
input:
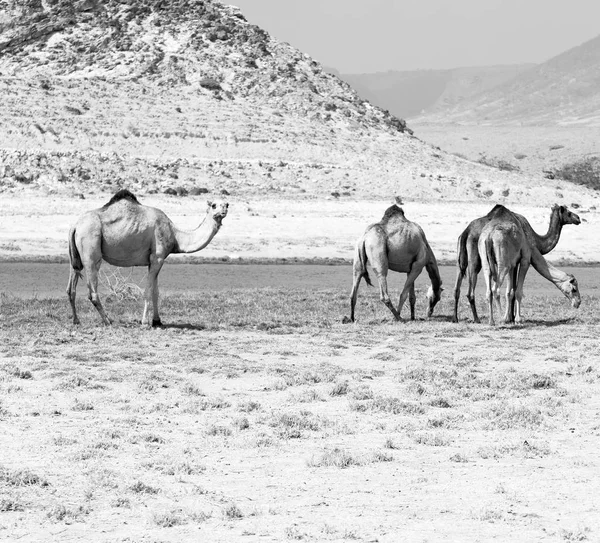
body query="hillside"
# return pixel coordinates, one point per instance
(411, 93)
(189, 97)
(564, 90)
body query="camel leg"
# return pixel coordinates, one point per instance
(354, 294)
(412, 299)
(91, 273)
(459, 278)
(489, 294)
(383, 293)
(151, 293)
(471, 292)
(510, 296)
(523, 268)
(71, 291)
(411, 276)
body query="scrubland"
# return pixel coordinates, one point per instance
(254, 414)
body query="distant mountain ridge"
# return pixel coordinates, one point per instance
(188, 97)
(561, 91)
(412, 93)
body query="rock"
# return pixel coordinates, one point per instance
(196, 191)
(171, 191)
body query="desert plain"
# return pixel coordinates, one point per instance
(254, 413)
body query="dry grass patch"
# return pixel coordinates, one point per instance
(21, 477)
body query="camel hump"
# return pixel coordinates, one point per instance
(392, 212)
(499, 211)
(123, 194)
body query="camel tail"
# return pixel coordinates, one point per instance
(462, 258)
(491, 258)
(74, 256)
(361, 258)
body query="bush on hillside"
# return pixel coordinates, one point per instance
(585, 171)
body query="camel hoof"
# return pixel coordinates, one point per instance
(454, 320)
(347, 320)
(76, 322)
(156, 323)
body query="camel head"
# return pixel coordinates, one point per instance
(570, 289)
(433, 297)
(217, 210)
(566, 216)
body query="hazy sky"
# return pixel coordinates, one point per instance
(356, 36)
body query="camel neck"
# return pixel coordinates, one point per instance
(433, 271)
(547, 270)
(196, 240)
(545, 243)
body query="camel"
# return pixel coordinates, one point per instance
(469, 262)
(504, 253)
(397, 244)
(126, 233)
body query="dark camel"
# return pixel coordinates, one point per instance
(469, 262)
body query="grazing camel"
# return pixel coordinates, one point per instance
(504, 253)
(126, 233)
(400, 245)
(469, 262)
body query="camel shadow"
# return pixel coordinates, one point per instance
(183, 326)
(549, 324)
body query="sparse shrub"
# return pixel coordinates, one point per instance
(388, 404)
(542, 381)
(504, 416)
(22, 374)
(389, 444)
(233, 512)
(585, 171)
(440, 402)
(291, 425)
(363, 392)
(169, 519)
(339, 389)
(192, 390)
(218, 430)
(21, 477)
(120, 286)
(382, 456)
(142, 488)
(59, 513)
(459, 457)
(242, 423)
(10, 504)
(121, 502)
(152, 438)
(249, 406)
(433, 439)
(335, 458)
(83, 405)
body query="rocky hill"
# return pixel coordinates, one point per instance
(186, 96)
(412, 93)
(564, 90)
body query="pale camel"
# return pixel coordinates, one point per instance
(469, 262)
(504, 253)
(126, 233)
(397, 244)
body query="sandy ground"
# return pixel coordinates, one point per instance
(37, 226)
